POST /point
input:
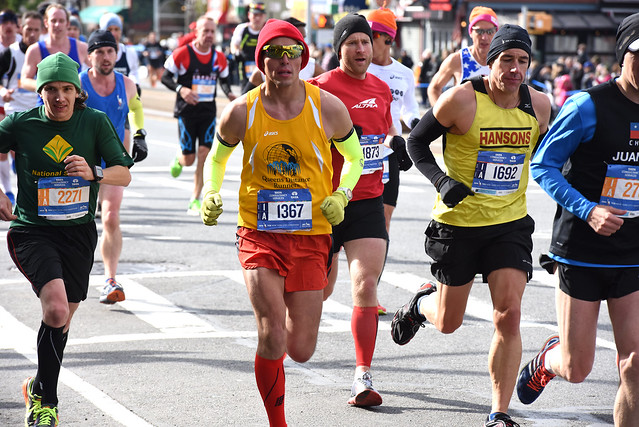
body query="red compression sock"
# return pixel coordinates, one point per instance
(364, 328)
(269, 375)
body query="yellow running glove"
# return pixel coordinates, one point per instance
(333, 207)
(211, 207)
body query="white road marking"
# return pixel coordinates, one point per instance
(18, 337)
(172, 323)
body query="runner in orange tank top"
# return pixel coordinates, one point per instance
(287, 202)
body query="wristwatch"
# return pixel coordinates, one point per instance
(347, 191)
(97, 173)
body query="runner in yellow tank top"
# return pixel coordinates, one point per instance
(287, 158)
(480, 225)
(491, 159)
(286, 201)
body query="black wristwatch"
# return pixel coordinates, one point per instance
(140, 132)
(97, 173)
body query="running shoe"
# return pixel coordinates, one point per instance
(11, 197)
(113, 292)
(381, 310)
(500, 420)
(175, 168)
(363, 393)
(195, 206)
(32, 401)
(408, 319)
(534, 377)
(46, 416)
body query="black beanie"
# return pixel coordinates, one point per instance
(101, 38)
(350, 24)
(509, 37)
(627, 34)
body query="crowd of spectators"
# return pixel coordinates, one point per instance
(567, 75)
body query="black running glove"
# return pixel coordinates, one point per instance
(452, 192)
(398, 145)
(140, 149)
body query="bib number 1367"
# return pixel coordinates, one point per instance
(285, 210)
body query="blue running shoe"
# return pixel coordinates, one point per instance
(534, 377)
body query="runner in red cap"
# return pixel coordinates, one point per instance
(287, 203)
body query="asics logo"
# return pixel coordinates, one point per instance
(267, 133)
(368, 103)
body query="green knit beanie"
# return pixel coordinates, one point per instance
(58, 68)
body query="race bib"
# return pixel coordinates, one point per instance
(621, 189)
(155, 53)
(497, 173)
(63, 197)
(284, 210)
(204, 86)
(249, 66)
(373, 150)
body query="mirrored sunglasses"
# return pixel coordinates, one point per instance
(387, 42)
(487, 31)
(276, 51)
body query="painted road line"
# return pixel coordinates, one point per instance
(20, 338)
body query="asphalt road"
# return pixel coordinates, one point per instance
(180, 350)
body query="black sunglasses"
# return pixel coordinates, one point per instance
(387, 42)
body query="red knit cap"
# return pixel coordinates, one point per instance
(277, 28)
(382, 20)
(481, 13)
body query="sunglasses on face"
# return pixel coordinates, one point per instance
(481, 32)
(276, 51)
(387, 42)
(257, 6)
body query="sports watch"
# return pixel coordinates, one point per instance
(347, 191)
(97, 173)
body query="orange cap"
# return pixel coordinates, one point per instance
(382, 20)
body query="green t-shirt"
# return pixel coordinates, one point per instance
(40, 146)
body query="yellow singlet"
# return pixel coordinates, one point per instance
(491, 158)
(287, 169)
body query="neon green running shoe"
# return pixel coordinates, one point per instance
(32, 401)
(194, 207)
(46, 416)
(175, 168)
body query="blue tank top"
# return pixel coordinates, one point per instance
(115, 105)
(73, 51)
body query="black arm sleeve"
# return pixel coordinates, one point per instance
(5, 62)
(225, 86)
(426, 131)
(248, 86)
(167, 80)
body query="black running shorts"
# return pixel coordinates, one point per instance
(46, 253)
(362, 219)
(459, 253)
(200, 128)
(597, 283)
